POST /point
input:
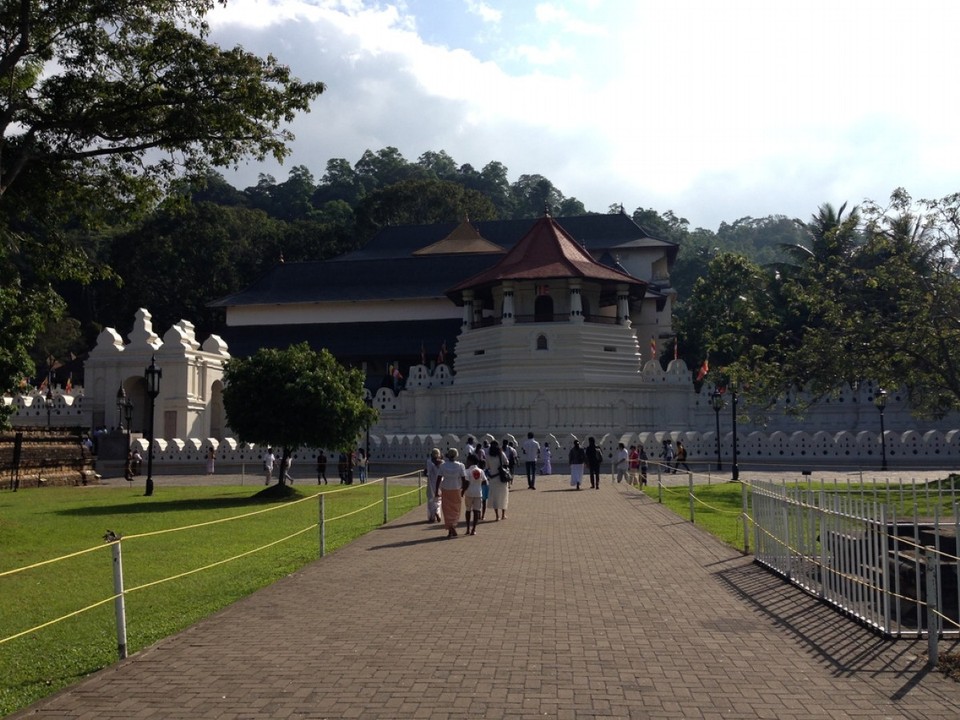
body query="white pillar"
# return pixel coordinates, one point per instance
(576, 302)
(467, 311)
(623, 305)
(506, 315)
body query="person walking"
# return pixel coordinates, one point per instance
(577, 458)
(531, 454)
(285, 469)
(511, 452)
(644, 466)
(633, 464)
(547, 467)
(473, 493)
(211, 459)
(681, 458)
(594, 461)
(433, 475)
(451, 483)
(620, 461)
(362, 465)
(268, 460)
(497, 466)
(668, 455)
(321, 468)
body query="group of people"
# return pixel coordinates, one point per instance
(482, 480)
(589, 458)
(347, 464)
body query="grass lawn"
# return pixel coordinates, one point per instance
(37, 525)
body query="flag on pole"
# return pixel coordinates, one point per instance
(653, 348)
(442, 355)
(423, 354)
(676, 348)
(70, 383)
(704, 369)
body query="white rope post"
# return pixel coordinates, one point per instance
(660, 483)
(384, 500)
(322, 524)
(119, 606)
(690, 491)
(746, 518)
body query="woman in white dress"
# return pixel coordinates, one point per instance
(499, 490)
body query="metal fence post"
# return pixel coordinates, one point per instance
(933, 620)
(119, 606)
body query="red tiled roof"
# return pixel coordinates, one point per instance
(546, 251)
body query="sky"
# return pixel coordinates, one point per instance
(714, 110)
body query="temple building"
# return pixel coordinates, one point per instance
(387, 304)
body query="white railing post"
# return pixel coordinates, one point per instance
(119, 606)
(690, 491)
(384, 500)
(322, 524)
(746, 519)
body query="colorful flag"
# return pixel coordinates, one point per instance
(704, 369)
(442, 355)
(653, 348)
(70, 383)
(676, 348)
(423, 354)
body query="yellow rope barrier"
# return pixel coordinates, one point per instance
(59, 619)
(52, 560)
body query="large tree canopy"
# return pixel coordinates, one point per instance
(295, 397)
(88, 87)
(100, 102)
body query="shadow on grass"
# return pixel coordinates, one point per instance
(271, 494)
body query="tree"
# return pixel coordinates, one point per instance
(421, 202)
(102, 103)
(295, 398)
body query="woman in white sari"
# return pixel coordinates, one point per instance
(499, 490)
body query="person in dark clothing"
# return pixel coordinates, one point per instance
(594, 461)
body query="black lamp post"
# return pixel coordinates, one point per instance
(48, 402)
(880, 400)
(735, 475)
(152, 375)
(716, 400)
(366, 450)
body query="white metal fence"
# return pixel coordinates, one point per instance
(848, 547)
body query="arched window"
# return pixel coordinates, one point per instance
(542, 342)
(543, 309)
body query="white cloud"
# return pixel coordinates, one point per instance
(714, 111)
(484, 11)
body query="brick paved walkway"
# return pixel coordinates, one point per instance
(590, 604)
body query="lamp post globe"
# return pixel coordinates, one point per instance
(152, 377)
(716, 401)
(880, 400)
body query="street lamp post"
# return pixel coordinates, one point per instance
(880, 400)
(152, 375)
(735, 474)
(716, 400)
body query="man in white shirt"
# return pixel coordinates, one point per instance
(268, 460)
(531, 454)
